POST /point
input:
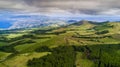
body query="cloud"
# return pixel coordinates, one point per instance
(82, 7)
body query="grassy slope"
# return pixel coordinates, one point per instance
(80, 62)
(14, 35)
(3, 55)
(64, 39)
(3, 43)
(21, 59)
(112, 27)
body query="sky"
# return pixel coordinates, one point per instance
(75, 7)
(85, 9)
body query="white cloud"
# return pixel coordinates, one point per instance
(111, 12)
(87, 7)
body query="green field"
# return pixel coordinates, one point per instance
(21, 59)
(82, 62)
(90, 43)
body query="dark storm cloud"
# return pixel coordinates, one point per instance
(88, 7)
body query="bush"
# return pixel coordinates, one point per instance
(102, 32)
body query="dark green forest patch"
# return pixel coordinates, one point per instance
(64, 56)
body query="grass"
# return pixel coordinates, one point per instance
(80, 62)
(3, 43)
(118, 52)
(3, 55)
(14, 35)
(21, 59)
(112, 27)
(24, 48)
(109, 41)
(61, 39)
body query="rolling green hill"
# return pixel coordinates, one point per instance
(29, 47)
